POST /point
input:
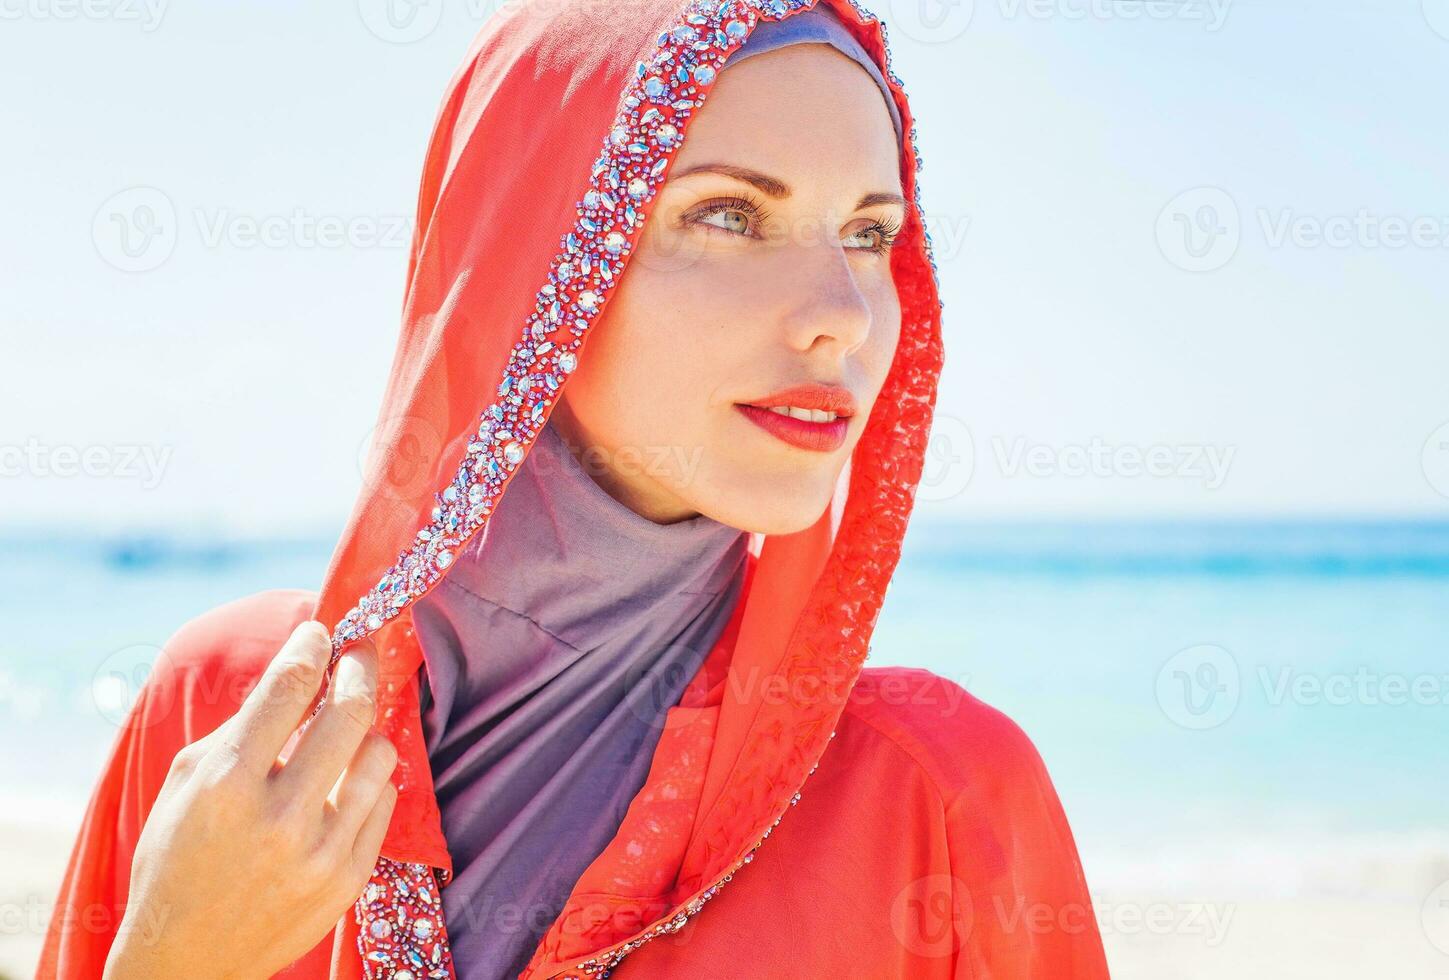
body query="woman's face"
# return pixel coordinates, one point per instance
(764, 265)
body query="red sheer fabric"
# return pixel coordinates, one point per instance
(931, 829)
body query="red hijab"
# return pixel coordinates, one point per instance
(571, 113)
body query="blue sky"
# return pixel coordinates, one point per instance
(1195, 258)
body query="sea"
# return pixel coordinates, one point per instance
(1249, 707)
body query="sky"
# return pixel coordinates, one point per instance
(1194, 255)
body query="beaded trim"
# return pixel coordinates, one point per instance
(401, 930)
(400, 918)
(602, 965)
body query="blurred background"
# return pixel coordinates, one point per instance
(1186, 516)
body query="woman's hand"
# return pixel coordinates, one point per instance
(248, 862)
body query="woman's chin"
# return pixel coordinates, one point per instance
(772, 504)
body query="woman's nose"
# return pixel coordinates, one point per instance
(825, 304)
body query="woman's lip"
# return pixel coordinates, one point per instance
(821, 437)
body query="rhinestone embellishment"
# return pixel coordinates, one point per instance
(400, 916)
(603, 965)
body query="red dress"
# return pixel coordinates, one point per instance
(803, 816)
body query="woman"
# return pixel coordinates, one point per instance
(595, 698)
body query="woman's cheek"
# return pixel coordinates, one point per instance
(885, 332)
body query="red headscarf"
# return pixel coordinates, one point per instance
(571, 113)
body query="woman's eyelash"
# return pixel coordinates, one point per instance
(749, 205)
(887, 230)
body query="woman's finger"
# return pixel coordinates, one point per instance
(280, 701)
(358, 789)
(334, 734)
(369, 838)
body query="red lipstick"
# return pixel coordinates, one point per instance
(803, 433)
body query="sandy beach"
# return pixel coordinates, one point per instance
(33, 855)
(1323, 939)
(1149, 934)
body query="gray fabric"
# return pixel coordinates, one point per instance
(816, 25)
(552, 650)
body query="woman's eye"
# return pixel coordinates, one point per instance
(731, 220)
(879, 236)
(737, 215)
(740, 217)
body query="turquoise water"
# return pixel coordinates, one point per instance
(1312, 701)
(1339, 635)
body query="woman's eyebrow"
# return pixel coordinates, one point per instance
(777, 188)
